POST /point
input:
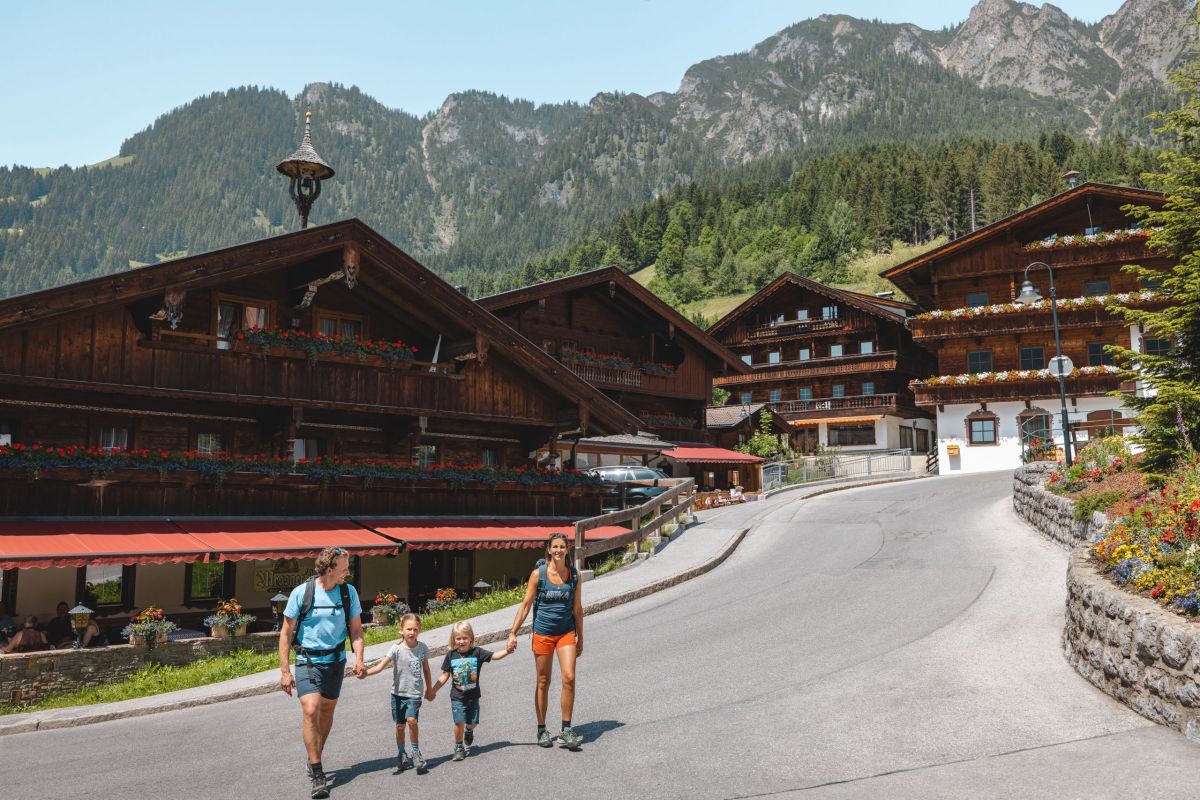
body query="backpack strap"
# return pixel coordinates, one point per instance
(345, 587)
(541, 587)
(306, 606)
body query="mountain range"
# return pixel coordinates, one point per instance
(488, 182)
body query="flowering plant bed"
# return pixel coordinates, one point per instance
(1154, 547)
(975, 378)
(1064, 304)
(36, 459)
(229, 618)
(442, 599)
(593, 359)
(1091, 239)
(313, 344)
(387, 608)
(148, 627)
(666, 421)
(659, 369)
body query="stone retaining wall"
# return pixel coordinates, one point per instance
(29, 677)
(1133, 649)
(1050, 513)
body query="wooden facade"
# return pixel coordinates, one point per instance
(974, 327)
(625, 341)
(824, 359)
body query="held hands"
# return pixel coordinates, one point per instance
(430, 693)
(512, 643)
(359, 669)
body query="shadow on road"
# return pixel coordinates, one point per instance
(591, 731)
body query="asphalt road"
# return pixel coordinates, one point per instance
(888, 642)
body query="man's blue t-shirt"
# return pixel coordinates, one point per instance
(325, 626)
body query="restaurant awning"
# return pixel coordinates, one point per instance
(261, 539)
(838, 420)
(76, 543)
(710, 455)
(470, 534)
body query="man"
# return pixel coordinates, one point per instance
(320, 631)
(59, 630)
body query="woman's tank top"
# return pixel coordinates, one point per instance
(554, 611)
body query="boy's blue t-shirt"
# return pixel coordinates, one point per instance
(325, 626)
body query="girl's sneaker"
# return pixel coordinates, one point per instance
(460, 752)
(545, 739)
(570, 739)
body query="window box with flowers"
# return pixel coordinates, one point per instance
(589, 358)
(229, 619)
(658, 369)
(316, 345)
(148, 628)
(1124, 299)
(1091, 239)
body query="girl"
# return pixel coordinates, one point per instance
(553, 594)
(410, 676)
(463, 663)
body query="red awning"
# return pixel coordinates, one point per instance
(76, 543)
(261, 539)
(447, 533)
(710, 455)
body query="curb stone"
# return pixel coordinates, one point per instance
(64, 718)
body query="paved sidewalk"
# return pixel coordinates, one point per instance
(697, 549)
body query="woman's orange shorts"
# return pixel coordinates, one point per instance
(545, 645)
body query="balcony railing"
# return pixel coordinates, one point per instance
(853, 402)
(1023, 321)
(1026, 389)
(795, 327)
(1125, 252)
(814, 367)
(606, 375)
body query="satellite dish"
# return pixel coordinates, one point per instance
(1060, 367)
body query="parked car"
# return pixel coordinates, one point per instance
(636, 494)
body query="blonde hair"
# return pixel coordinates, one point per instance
(410, 616)
(461, 627)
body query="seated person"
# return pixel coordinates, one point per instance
(59, 630)
(8, 625)
(736, 496)
(94, 635)
(28, 640)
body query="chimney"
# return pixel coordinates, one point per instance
(888, 295)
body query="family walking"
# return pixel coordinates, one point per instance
(324, 612)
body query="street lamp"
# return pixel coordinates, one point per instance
(81, 615)
(278, 602)
(1061, 365)
(481, 587)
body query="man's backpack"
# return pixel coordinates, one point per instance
(306, 607)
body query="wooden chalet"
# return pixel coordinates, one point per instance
(835, 364)
(621, 338)
(328, 346)
(732, 426)
(993, 396)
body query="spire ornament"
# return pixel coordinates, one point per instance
(306, 170)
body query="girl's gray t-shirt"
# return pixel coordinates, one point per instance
(408, 674)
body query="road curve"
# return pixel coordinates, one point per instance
(890, 641)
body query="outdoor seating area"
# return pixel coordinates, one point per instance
(719, 498)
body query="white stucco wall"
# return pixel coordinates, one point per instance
(887, 433)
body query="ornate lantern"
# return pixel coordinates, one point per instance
(81, 615)
(307, 170)
(278, 603)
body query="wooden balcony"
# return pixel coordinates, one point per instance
(796, 327)
(884, 361)
(606, 376)
(143, 492)
(842, 406)
(1119, 253)
(1042, 387)
(932, 329)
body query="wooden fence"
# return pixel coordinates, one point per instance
(664, 508)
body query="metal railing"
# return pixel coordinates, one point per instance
(835, 403)
(836, 466)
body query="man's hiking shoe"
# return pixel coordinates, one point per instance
(320, 786)
(545, 739)
(402, 763)
(308, 770)
(460, 752)
(469, 738)
(418, 760)
(570, 739)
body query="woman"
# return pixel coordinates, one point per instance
(553, 594)
(28, 640)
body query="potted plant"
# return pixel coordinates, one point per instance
(388, 608)
(228, 619)
(148, 628)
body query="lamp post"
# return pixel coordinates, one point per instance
(307, 170)
(1062, 365)
(81, 615)
(278, 603)
(481, 587)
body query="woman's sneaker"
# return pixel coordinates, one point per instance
(545, 739)
(570, 739)
(460, 752)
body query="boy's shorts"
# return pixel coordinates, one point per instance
(544, 645)
(318, 677)
(466, 712)
(405, 708)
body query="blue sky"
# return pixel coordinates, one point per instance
(85, 75)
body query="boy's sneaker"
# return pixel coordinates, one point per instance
(545, 739)
(469, 738)
(320, 786)
(570, 739)
(418, 760)
(460, 752)
(402, 763)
